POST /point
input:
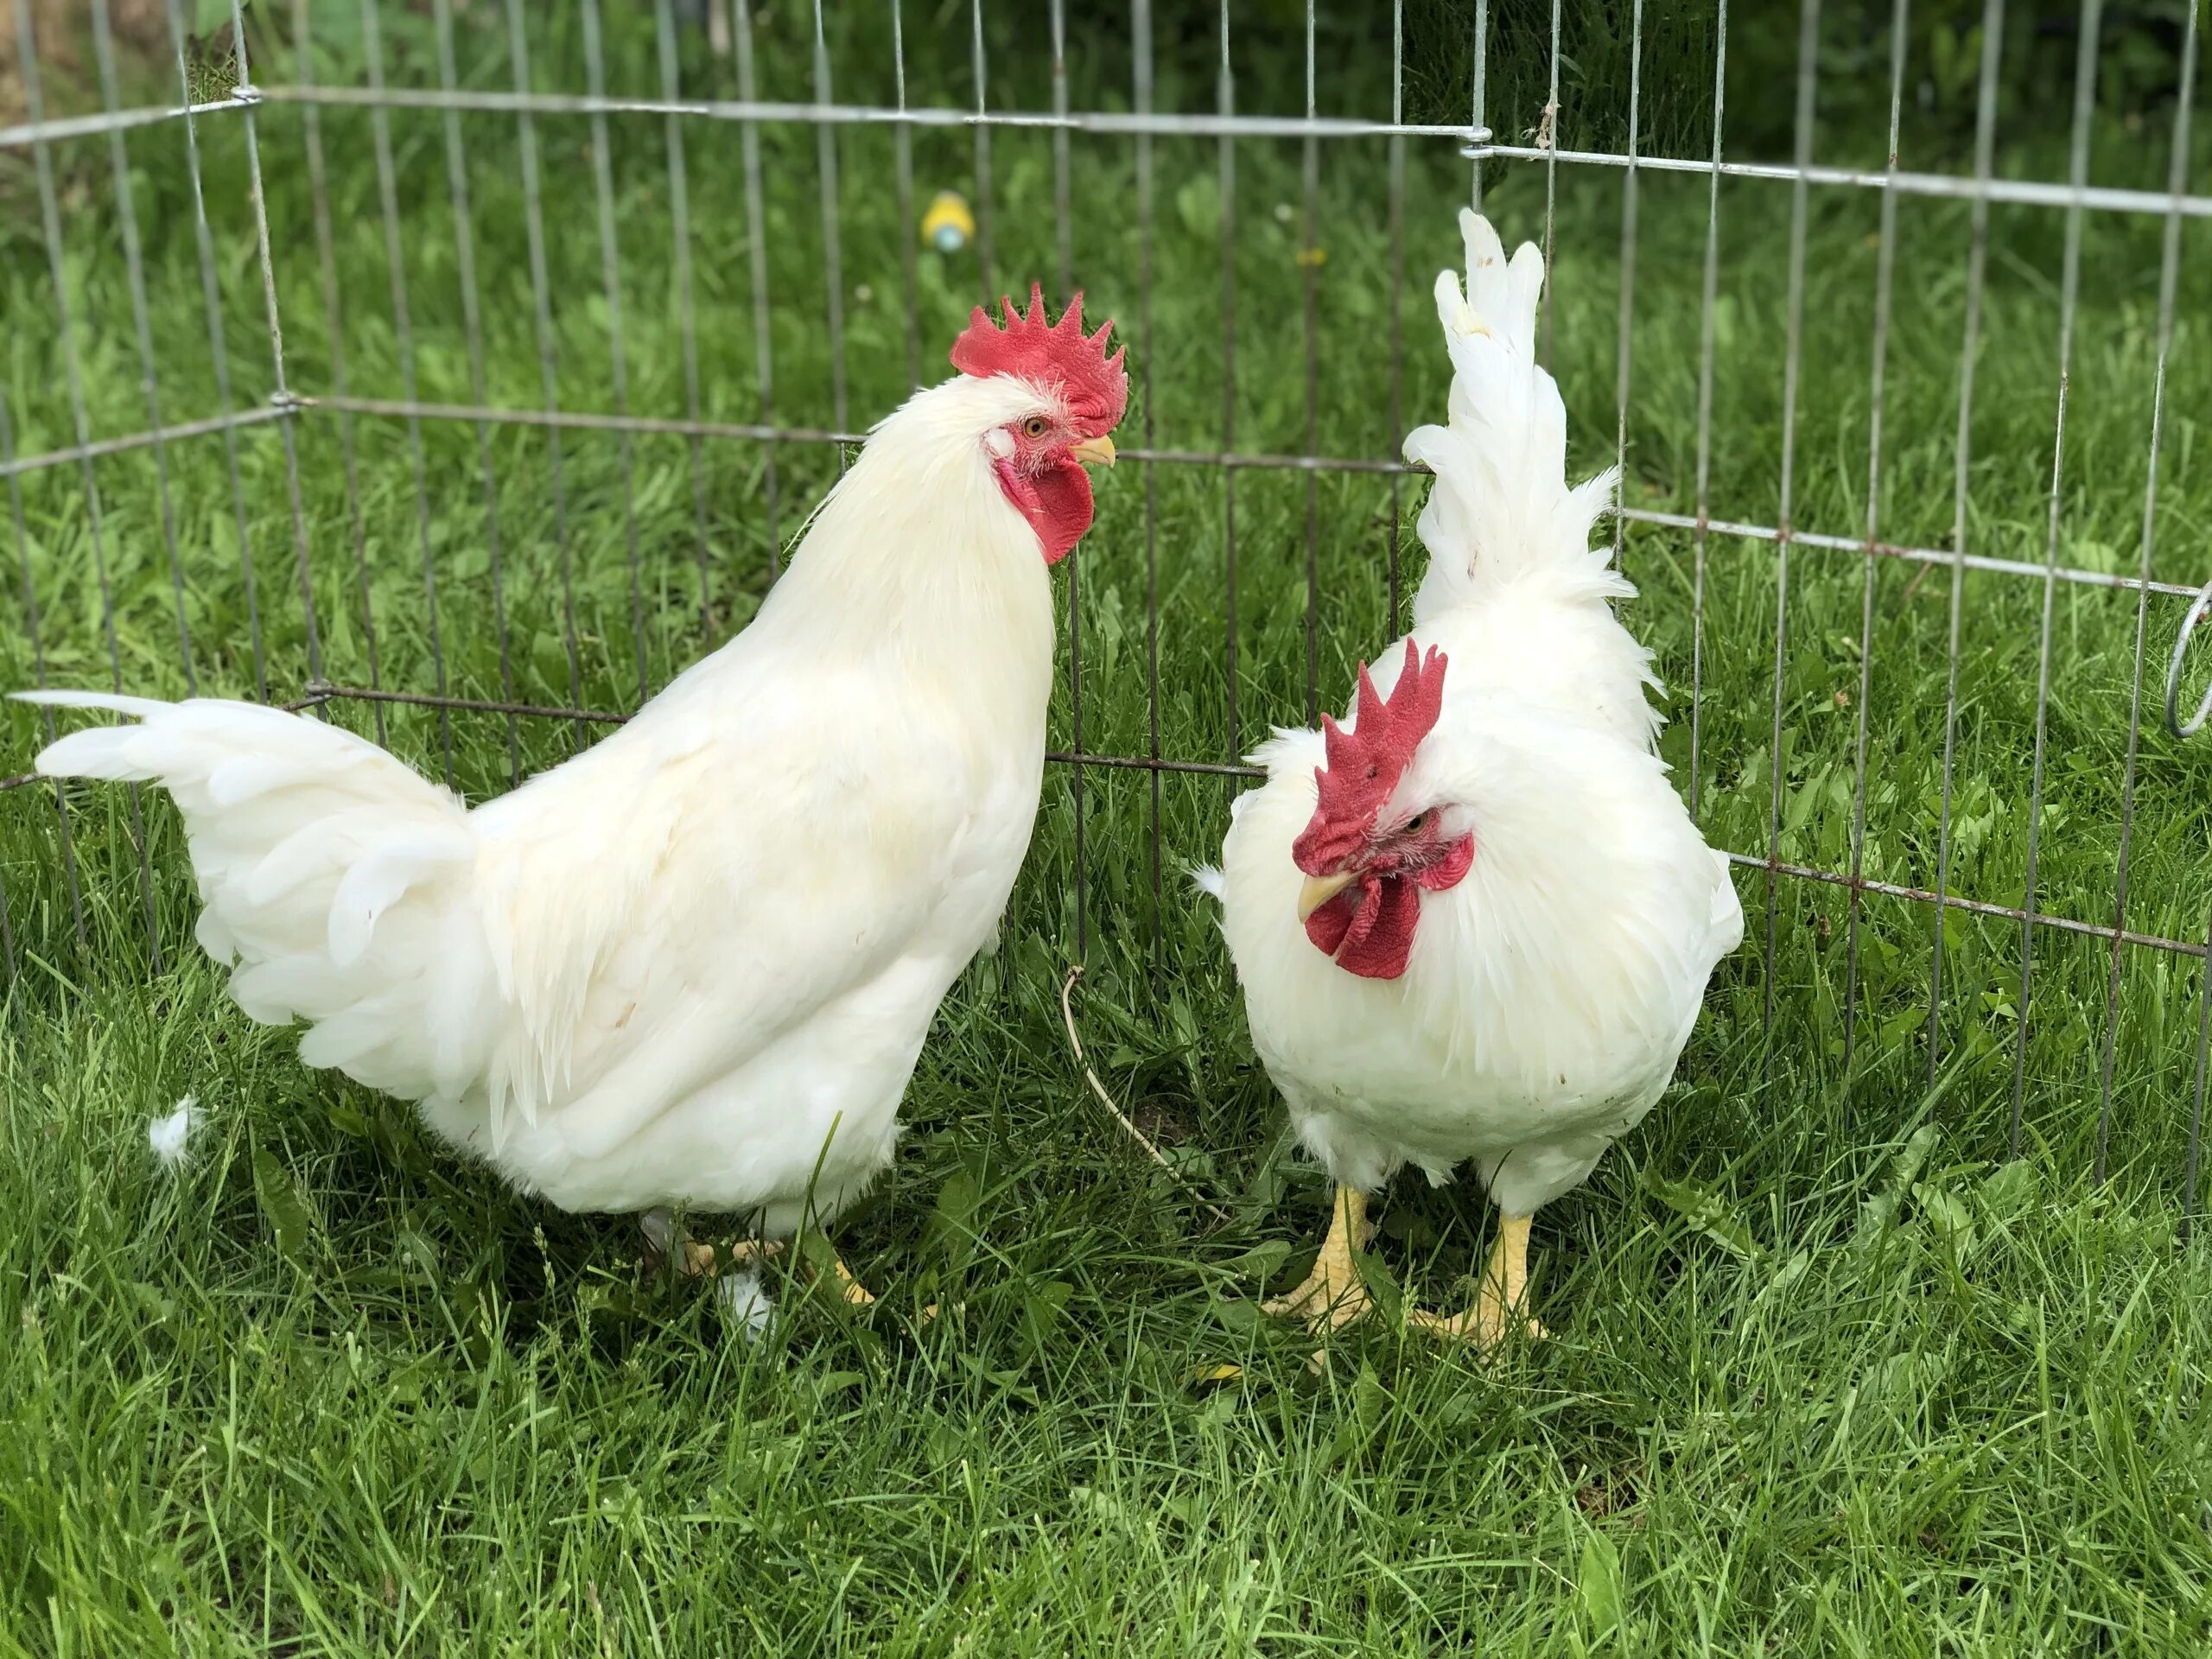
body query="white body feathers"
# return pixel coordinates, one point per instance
(1547, 995)
(696, 963)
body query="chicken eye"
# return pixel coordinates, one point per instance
(1413, 823)
(1036, 426)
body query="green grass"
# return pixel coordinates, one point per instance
(1828, 1374)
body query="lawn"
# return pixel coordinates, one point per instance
(1885, 1334)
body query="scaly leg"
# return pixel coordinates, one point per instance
(1332, 1294)
(848, 1286)
(668, 1240)
(693, 1259)
(1501, 1303)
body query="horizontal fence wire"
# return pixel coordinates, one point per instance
(403, 409)
(319, 693)
(2026, 192)
(154, 437)
(1181, 125)
(1476, 139)
(23, 135)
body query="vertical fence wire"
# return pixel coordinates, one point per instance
(1623, 351)
(1064, 251)
(22, 546)
(540, 295)
(1547, 137)
(464, 246)
(833, 253)
(332, 302)
(902, 171)
(404, 335)
(1062, 215)
(1397, 164)
(142, 325)
(8, 955)
(80, 422)
(35, 630)
(1479, 97)
(756, 248)
(618, 356)
(2189, 1174)
(1141, 99)
(1706, 341)
(1225, 103)
(280, 394)
(2085, 95)
(679, 210)
(1309, 260)
(218, 356)
(1985, 151)
(984, 263)
(2168, 268)
(2169, 283)
(1808, 46)
(1876, 387)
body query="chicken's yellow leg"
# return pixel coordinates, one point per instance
(693, 1259)
(1500, 1302)
(1332, 1294)
(848, 1286)
(819, 1256)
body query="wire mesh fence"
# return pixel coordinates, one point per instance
(521, 342)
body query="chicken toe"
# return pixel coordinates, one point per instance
(1501, 1302)
(820, 1259)
(848, 1286)
(1332, 1295)
(667, 1239)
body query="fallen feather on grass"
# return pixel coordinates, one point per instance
(167, 1135)
(745, 1300)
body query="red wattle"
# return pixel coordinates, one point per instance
(1056, 502)
(1368, 929)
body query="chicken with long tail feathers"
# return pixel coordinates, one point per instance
(1473, 923)
(695, 964)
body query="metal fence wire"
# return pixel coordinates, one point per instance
(312, 590)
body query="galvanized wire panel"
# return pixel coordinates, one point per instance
(396, 434)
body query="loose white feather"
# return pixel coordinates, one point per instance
(745, 1302)
(168, 1135)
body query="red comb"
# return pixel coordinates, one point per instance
(1365, 763)
(1058, 355)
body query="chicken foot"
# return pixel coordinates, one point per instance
(1332, 1295)
(1501, 1301)
(666, 1238)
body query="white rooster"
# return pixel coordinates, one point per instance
(695, 963)
(1475, 921)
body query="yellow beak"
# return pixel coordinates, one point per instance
(1100, 450)
(1319, 889)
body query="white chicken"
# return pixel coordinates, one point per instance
(1475, 922)
(695, 964)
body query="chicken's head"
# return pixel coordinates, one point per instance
(1078, 394)
(1369, 852)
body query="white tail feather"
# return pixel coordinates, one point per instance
(1500, 511)
(1513, 583)
(338, 881)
